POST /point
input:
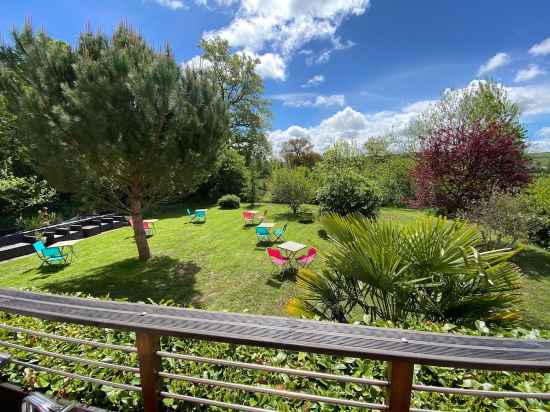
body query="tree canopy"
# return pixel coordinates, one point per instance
(234, 75)
(114, 117)
(471, 144)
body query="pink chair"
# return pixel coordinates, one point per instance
(276, 258)
(248, 218)
(306, 260)
(148, 227)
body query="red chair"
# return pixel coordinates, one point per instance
(248, 218)
(306, 260)
(277, 258)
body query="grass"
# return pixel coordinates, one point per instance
(217, 265)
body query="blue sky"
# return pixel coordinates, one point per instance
(341, 68)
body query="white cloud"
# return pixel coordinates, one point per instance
(541, 49)
(283, 27)
(310, 100)
(533, 100)
(539, 146)
(171, 4)
(529, 73)
(325, 55)
(271, 65)
(498, 60)
(196, 63)
(544, 133)
(541, 141)
(351, 125)
(314, 81)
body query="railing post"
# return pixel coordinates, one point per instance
(149, 366)
(400, 376)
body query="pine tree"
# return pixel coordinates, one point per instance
(115, 117)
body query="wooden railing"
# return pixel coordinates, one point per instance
(400, 349)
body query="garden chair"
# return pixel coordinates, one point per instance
(148, 228)
(278, 260)
(263, 216)
(248, 218)
(200, 215)
(51, 255)
(263, 234)
(279, 233)
(191, 215)
(307, 259)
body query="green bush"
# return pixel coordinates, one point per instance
(346, 193)
(229, 202)
(502, 218)
(537, 198)
(292, 187)
(118, 400)
(231, 177)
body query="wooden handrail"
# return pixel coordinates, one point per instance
(401, 348)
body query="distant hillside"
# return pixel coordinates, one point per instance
(542, 160)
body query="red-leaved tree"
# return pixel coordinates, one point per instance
(459, 164)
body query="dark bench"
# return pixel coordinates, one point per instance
(15, 250)
(70, 234)
(90, 230)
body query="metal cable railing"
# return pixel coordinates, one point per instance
(274, 369)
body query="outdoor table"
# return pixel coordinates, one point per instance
(69, 244)
(291, 248)
(201, 210)
(267, 225)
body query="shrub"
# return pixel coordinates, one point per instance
(292, 187)
(427, 269)
(230, 178)
(502, 219)
(346, 193)
(229, 202)
(537, 199)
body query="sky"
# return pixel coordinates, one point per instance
(340, 69)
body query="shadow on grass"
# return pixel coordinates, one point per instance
(160, 278)
(45, 271)
(534, 262)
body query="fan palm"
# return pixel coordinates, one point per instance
(429, 268)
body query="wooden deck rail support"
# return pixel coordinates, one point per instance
(149, 366)
(400, 376)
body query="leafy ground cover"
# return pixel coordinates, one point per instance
(114, 399)
(218, 265)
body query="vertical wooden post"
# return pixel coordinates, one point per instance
(149, 366)
(400, 375)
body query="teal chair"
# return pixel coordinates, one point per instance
(50, 255)
(263, 234)
(200, 215)
(279, 233)
(191, 215)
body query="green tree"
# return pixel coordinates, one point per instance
(481, 104)
(230, 178)
(115, 113)
(292, 187)
(299, 152)
(234, 74)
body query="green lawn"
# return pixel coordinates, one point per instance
(217, 265)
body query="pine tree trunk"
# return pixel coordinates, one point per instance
(137, 223)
